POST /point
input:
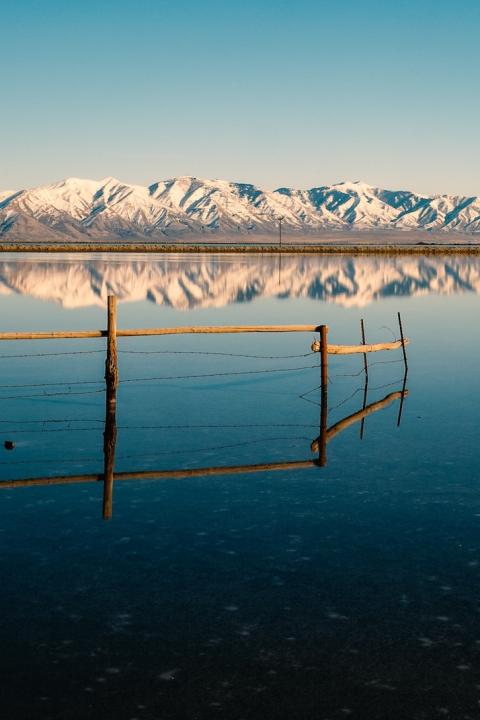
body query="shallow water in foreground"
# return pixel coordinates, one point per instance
(350, 590)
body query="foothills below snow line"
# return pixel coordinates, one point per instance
(83, 210)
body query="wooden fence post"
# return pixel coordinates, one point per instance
(111, 364)
(322, 454)
(110, 432)
(324, 355)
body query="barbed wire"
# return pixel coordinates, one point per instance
(215, 447)
(221, 354)
(163, 427)
(161, 377)
(53, 354)
(303, 396)
(362, 370)
(362, 387)
(53, 420)
(159, 453)
(54, 384)
(218, 374)
(156, 352)
(47, 395)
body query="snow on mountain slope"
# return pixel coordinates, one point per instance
(76, 209)
(189, 283)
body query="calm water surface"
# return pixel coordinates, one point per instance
(351, 590)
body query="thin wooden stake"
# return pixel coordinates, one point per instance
(364, 342)
(403, 342)
(404, 392)
(365, 391)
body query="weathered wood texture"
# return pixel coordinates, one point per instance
(403, 342)
(161, 474)
(364, 342)
(356, 417)
(111, 363)
(60, 335)
(219, 329)
(109, 442)
(205, 330)
(354, 349)
(323, 347)
(322, 449)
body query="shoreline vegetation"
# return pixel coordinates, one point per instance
(245, 248)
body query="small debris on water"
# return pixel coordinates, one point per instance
(169, 674)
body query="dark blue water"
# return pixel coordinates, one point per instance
(323, 592)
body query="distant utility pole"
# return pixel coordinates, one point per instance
(280, 231)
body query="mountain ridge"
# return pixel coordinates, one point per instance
(188, 284)
(75, 208)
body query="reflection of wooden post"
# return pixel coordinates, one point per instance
(365, 390)
(322, 453)
(399, 420)
(109, 441)
(365, 394)
(110, 434)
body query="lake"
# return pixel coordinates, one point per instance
(348, 590)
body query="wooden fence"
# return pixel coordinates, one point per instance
(318, 446)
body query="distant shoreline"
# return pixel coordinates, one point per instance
(242, 249)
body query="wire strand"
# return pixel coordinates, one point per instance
(54, 354)
(161, 427)
(161, 452)
(222, 374)
(220, 354)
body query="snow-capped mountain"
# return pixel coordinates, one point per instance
(186, 282)
(187, 207)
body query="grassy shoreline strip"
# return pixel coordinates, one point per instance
(323, 249)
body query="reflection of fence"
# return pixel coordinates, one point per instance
(108, 476)
(319, 445)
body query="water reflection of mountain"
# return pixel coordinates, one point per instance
(189, 282)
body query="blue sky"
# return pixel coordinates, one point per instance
(277, 93)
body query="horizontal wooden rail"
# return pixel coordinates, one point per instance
(356, 417)
(206, 330)
(219, 329)
(211, 330)
(60, 335)
(160, 474)
(353, 349)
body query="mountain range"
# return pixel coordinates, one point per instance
(187, 283)
(189, 207)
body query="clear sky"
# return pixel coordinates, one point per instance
(277, 93)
